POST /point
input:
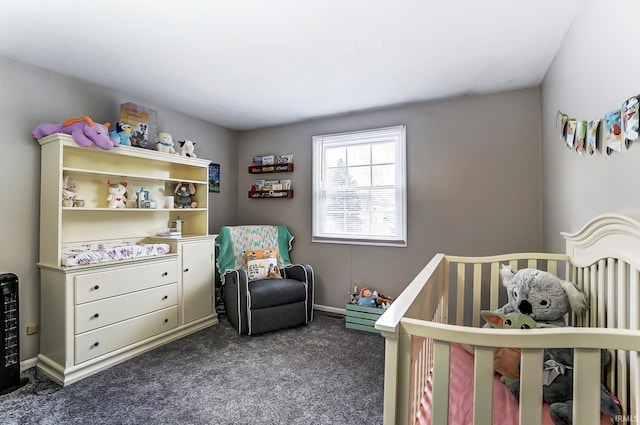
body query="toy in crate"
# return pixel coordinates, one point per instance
(364, 308)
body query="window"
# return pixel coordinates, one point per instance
(359, 187)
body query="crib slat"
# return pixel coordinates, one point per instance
(586, 386)
(611, 294)
(634, 358)
(477, 290)
(495, 286)
(531, 392)
(460, 294)
(483, 386)
(441, 369)
(622, 368)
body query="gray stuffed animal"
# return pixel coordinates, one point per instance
(558, 386)
(541, 295)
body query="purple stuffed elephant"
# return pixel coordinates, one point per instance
(83, 130)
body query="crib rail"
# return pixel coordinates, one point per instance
(442, 305)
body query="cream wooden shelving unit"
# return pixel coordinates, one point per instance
(98, 315)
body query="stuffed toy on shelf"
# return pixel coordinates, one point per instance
(116, 197)
(164, 143)
(69, 191)
(122, 133)
(84, 131)
(187, 148)
(183, 193)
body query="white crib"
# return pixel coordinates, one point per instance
(442, 306)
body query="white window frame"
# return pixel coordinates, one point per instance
(397, 134)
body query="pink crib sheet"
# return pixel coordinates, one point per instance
(505, 406)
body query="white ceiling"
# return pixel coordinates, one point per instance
(247, 64)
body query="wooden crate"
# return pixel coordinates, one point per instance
(362, 318)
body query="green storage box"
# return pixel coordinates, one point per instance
(362, 318)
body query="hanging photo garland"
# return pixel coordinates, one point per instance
(621, 125)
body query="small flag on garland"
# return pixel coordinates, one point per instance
(630, 120)
(613, 131)
(571, 133)
(593, 136)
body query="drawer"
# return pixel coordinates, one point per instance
(100, 313)
(123, 280)
(109, 338)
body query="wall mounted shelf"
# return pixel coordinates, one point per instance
(261, 194)
(273, 168)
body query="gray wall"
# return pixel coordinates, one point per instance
(29, 96)
(479, 180)
(593, 73)
(473, 179)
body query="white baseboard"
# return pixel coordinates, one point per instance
(28, 364)
(328, 309)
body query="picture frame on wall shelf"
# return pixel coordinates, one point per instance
(214, 177)
(143, 122)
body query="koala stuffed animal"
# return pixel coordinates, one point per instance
(541, 295)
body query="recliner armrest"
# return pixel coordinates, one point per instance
(234, 292)
(303, 273)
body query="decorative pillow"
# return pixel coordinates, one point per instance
(262, 264)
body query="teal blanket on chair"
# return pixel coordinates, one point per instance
(233, 241)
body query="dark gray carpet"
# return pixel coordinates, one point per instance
(321, 373)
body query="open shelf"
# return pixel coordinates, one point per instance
(261, 194)
(273, 168)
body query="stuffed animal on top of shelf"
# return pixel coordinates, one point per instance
(164, 143)
(183, 193)
(122, 133)
(84, 131)
(116, 194)
(187, 148)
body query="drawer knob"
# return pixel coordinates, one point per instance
(165, 274)
(166, 320)
(96, 287)
(95, 344)
(96, 315)
(165, 297)
(186, 270)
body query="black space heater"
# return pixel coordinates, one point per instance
(9, 335)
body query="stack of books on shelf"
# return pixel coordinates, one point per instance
(267, 163)
(270, 188)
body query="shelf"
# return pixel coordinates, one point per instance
(273, 168)
(91, 169)
(261, 194)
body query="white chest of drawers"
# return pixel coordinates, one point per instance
(95, 317)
